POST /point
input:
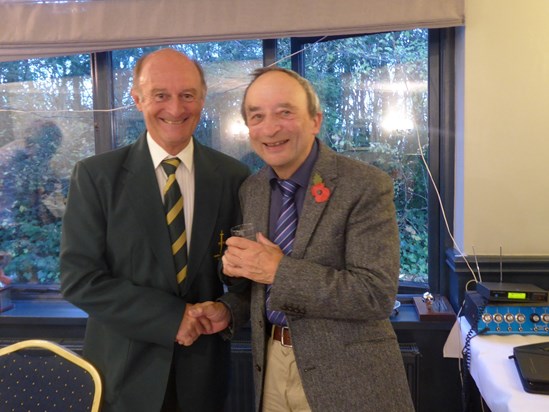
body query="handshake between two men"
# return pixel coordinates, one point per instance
(254, 260)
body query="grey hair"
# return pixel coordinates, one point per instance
(313, 102)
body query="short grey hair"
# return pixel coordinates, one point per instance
(313, 102)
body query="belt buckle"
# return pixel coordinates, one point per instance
(283, 329)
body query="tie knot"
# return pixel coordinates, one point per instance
(287, 187)
(170, 165)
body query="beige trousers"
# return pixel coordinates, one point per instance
(282, 391)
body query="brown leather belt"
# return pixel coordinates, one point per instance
(282, 334)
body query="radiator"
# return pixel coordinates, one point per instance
(411, 357)
(241, 390)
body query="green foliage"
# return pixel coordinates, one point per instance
(360, 82)
(30, 223)
(357, 79)
(34, 249)
(36, 157)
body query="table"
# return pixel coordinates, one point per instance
(496, 375)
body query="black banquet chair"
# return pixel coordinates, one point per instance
(39, 375)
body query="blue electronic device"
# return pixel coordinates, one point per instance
(499, 318)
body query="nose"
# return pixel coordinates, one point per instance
(271, 126)
(175, 107)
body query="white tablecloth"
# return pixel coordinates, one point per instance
(494, 373)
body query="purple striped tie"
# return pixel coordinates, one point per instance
(286, 226)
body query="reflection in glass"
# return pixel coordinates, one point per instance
(373, 90)
(47, 125)
(227, 66)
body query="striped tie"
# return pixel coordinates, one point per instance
(285, 229)
(173, 206)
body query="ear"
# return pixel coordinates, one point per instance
(137, 99)
(202, 102)
(317, 123)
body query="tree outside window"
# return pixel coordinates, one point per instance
(373, 90)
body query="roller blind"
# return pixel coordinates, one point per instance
(49, 28)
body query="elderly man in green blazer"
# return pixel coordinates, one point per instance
(116, 251)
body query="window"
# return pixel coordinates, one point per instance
(373, 89)
(375, 97)
(47, 125)
(226, 67)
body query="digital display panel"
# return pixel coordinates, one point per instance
(516, 295)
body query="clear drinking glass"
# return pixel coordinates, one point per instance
(245, 230)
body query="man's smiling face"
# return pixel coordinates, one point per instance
(170, 95)
(282, 131)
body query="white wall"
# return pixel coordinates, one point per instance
(502, 153)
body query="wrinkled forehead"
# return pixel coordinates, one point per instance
(174, 73)
(275, 88)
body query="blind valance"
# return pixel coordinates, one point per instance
(52, 28)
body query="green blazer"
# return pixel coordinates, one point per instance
(116, 265)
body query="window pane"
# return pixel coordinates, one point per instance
(374, 94)
(227, 66)
(283, 53)
(47, 125)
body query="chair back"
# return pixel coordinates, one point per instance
(39, 375)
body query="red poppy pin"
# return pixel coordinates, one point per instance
(320, 192)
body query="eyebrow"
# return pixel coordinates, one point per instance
(163, 90)
(252, 108)
(279, 106)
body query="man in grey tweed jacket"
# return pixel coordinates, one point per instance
(337, 350)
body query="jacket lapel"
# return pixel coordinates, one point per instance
(261, 203)
(326, 168)
(257, 212)
(207, 200)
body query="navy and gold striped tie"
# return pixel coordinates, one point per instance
(173, 206)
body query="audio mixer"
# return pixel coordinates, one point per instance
(501, 318)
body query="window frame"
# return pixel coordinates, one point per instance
(441, 85)
(442, 125)
(441, 51)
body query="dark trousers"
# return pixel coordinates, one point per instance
(170, 398)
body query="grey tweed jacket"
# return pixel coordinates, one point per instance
(337, 289)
